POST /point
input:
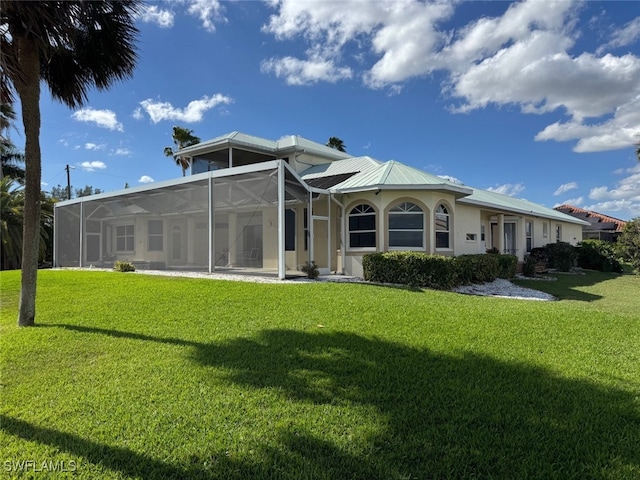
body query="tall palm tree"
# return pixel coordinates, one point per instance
(337, 143)
(11, 160)
(72, 47)
(182, 138)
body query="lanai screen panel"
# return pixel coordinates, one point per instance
(67, 235)
(169, 227)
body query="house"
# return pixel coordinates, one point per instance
(601, 227)
(255, 204)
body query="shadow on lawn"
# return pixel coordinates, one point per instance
(444, 416)
(566, 284)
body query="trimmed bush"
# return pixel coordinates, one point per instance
(507, 265)
(598, 255)
(562, 256)
(411, 268)
(477, 268)
(311, 269)
(529, 266)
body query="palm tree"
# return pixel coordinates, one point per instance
(338, 144)
(182, 138)
(72, 47)
(11, 159)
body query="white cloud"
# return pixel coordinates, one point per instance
(510, 189)
(94, 146)
(193, 112)
(94, 165)
(102, 118)
(305, 72)
(625, 196)
(146, 179)
(624, 36)
(525, 57)
(122, 151)
(452, 179)
(137, 114)
(565, 187)
(576, 202)
(154, 14)
(208, 11)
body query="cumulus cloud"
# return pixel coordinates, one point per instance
(208, 11)
(576, 202)
(511, 189)
(193, 112)
(452, 179)
(565, 187)
(146, 179)
(92, 166)
(137, 114)
(122, 151)
(526, 57)
(102, 118)
(625, 196)
(94, 146)
(154, 14)
(305, 72)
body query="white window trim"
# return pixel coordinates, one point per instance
(375, 232)
(115, 230)
(423, 248)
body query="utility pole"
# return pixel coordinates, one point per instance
(67, 168)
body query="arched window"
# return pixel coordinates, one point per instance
(362, 227)
(443, 227)
(406, 226)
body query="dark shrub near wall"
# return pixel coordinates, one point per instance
(436, 271)
(598, 255)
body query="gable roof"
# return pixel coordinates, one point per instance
(597, 221)
(499, 201)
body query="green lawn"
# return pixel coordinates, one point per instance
(134, 376)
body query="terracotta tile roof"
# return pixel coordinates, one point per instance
(598, 220)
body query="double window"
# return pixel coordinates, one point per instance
(528, 226)
(362, 227)
(124, 238)
(406, 226)
(443, 227)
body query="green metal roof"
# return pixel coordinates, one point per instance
(349, 165)
(499, 201)
(396, 175)
(285, 144)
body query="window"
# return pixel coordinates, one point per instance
(545, 230)
(289, 230)
(362, 227)
(472, 237)
(305, 226)
(528, 226)
(558, 233)
(482, 233)
(442, 227)
(406, 226)
(155, 234)
(124, 238)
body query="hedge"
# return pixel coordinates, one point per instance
(436, 271)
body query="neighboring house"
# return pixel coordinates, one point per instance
(255, 204)
(600, 227)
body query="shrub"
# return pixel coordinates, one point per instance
(562, 256)
(598, 255)
(123, 266)
(629, 243)
(493, 251)
(411, 268)
(311, 269)
(477, 268)
(507, 265)
(539, 255)
(529, 266)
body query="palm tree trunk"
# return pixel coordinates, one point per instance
(28, 88)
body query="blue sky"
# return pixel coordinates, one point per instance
(537, 99)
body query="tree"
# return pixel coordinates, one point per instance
(629, 243)
(182, 138)
(338, 144)
(60, 193)
(71, 47)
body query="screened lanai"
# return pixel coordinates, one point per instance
(251, 218)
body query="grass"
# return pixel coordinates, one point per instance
(133, 376)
